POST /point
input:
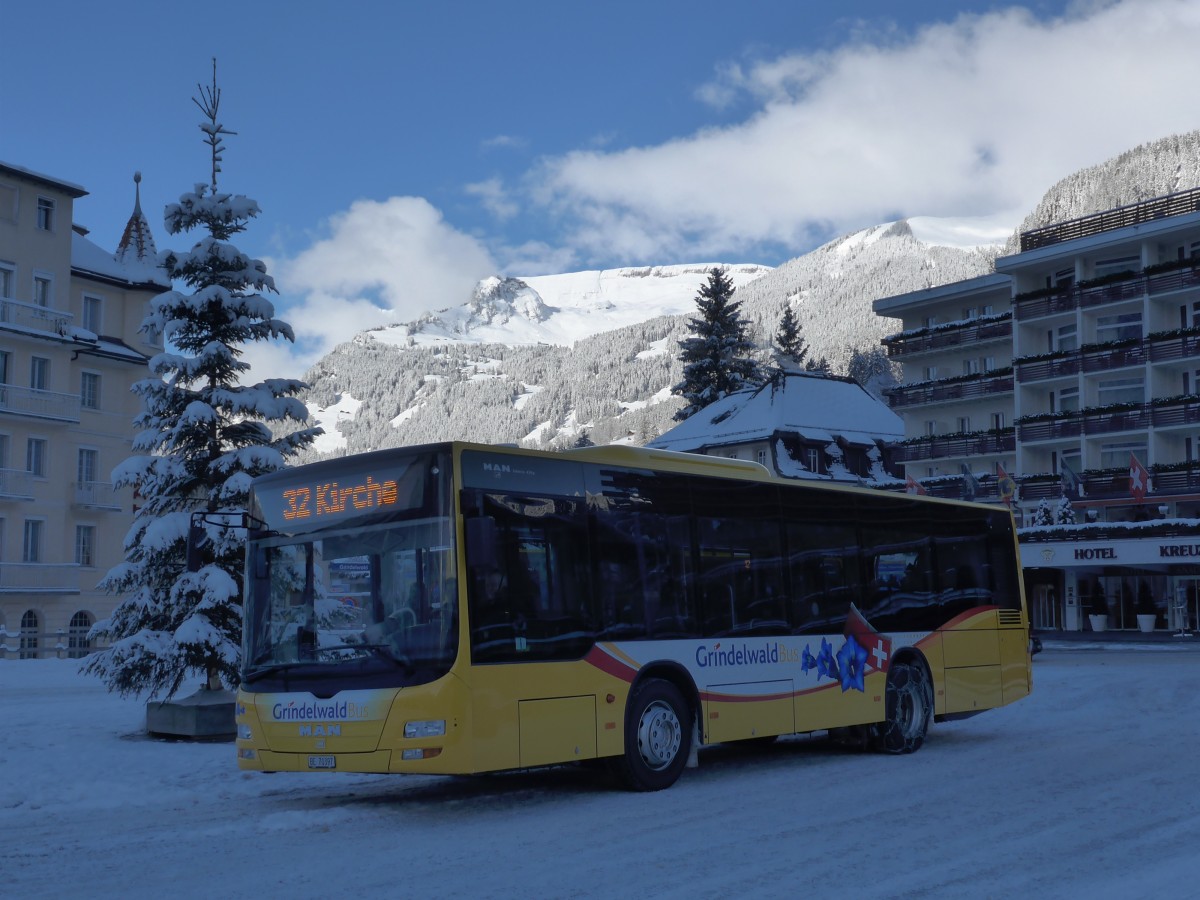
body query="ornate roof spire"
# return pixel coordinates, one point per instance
(137, 243)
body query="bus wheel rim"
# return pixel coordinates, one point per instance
(660, 734)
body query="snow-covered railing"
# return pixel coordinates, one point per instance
(30, 315)
(58, 578)
(16, 484)
(96, 494)
(39, 404)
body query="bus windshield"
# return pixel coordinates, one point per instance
(355, 600)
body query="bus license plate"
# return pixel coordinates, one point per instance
(322, 762)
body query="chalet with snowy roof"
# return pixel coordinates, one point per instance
(799, 425)
(71, 346)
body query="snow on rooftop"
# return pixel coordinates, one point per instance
(815, 406)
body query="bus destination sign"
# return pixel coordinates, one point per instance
(304, 504)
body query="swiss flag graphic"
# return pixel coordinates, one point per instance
(878, 647)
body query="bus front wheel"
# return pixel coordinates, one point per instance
(909, 701)
(658, 736)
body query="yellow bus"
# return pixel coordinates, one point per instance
(459, 608)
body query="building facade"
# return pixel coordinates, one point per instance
(70, 349)
(1074, 370)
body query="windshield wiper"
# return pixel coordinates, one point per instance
(273, 669)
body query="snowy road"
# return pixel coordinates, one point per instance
(1086, 788)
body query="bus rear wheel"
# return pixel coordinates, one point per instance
(658, 736)
(909, 702)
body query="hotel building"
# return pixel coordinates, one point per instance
(1074, 370)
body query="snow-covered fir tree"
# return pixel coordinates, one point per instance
(1065, 513)
(1042, 515)
(789, 344)
(718, 358)
(203, 436)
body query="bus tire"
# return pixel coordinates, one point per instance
(658, 737)
(909, 703)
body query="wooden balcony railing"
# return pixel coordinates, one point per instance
(1176, 204)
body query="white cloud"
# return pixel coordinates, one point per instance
(967, 118)
(494, 197)
(383, 262)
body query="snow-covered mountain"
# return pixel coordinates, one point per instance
(563, 309)
(540, 360)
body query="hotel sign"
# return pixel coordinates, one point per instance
(1144, 552)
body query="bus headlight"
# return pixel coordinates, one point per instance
(244, 733)
(428, 728)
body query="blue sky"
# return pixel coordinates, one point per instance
(400, 151)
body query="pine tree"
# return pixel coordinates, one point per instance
(717, 358)
(1065, 514)
(789, 344)
(202, 438)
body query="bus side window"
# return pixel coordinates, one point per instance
(822, 568)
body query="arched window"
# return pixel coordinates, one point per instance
(78, 643)
(29, 634)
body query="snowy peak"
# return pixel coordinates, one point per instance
(564, 309)
(496, 300)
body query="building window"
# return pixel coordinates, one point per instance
(987, 309)
(1121, 390)
(88, 462)
(92, 307)
(1116, 456)
(930, 321)
(762, 457)
(1125, 327)
(8, 203)
(1063, 278)
(1066, 400)
(813, 455)
(8, 282)
(39, 373)
(964, 424)
(997, 421)
(85, 545)
(1064, 339)
(31, 548)
(5, 358)
(1117, 264)
(78, 640)
(45, 214)
(971, 312)
(89, 390)
(35, 457)
(43, 290)
(4, 440)
(989, 363)
(930, 427)
(931, 373)
(30, 626)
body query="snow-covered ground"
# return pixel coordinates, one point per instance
(1085, 789)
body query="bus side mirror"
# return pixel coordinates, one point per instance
(481, 542)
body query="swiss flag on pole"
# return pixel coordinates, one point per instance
(1139, 479)
(1006, 485)
(912, 486)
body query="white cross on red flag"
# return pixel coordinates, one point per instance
(878, 647)
(1139, 479)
